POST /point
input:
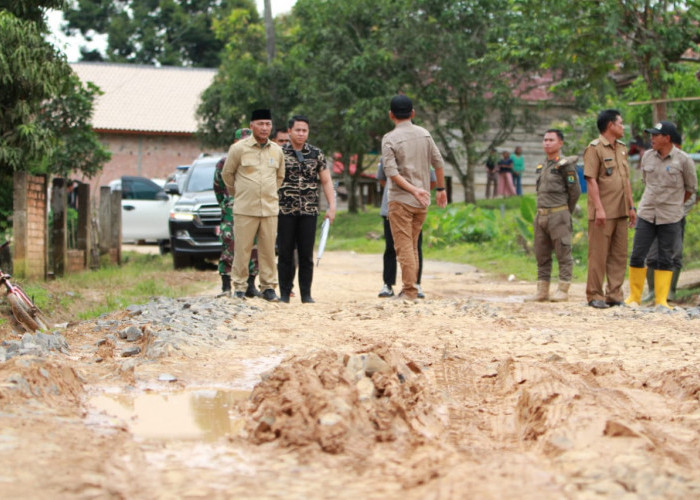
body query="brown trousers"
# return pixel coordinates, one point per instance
(607, 256)
(406, 222)
(245, 229)
(553, 232)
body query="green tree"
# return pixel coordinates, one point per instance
(166, 32)
(593, 46)
(461, 87)
(45, 110)
(344, 71)
(31, 71)
(31, 10)
(76, 146)
(683, 107)
(244, 78)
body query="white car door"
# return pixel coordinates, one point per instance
(145, 210)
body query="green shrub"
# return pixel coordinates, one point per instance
(459, 223)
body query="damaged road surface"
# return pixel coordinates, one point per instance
(470, 393)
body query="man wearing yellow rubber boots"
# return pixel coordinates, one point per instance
(669, 180)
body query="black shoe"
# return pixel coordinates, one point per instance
(306, 299)
(598, 304)
(270, 295)
(252, 290)
(613, 303)
(225, 283)
(284, 298)
(239, 295)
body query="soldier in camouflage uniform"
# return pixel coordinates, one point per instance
(558, 191)
(226, 229)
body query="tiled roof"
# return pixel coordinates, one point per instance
(145, 98)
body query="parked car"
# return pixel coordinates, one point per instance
(145, 210)
(195, 217)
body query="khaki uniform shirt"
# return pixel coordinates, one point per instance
(253, 175)
(666, 181)
(557, 183)
(608, 165)
(409, 150)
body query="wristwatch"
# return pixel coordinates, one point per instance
(439, 189)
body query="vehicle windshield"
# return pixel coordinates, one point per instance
(201, 178)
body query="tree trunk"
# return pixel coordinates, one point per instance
(269, 32)
(468, 183)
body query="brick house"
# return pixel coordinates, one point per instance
(146, 117)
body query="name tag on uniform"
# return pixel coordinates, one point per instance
(272, 162)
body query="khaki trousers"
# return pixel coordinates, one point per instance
(607, 256)
(406, 222)
(553, 233)
(245, 229)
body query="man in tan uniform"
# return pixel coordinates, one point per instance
(558, 191)
(253, 173)
(610, 210)
(408, 151)
(670, 179)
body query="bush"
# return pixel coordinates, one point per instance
(459, 223)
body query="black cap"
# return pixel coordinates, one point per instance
(261, 114)
(401, 106)
(676, 138)
(664, 128)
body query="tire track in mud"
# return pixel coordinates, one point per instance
(591, 423)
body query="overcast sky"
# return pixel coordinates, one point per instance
(71, 46)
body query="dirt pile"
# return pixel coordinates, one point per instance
(345, 403)
(54, 383)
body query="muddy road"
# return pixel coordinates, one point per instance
(470, 393)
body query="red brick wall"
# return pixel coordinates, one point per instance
(29, 225)
(152, 156)
(76, 261)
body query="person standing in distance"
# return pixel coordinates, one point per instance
(389, 257)
(253, 173)
(226, 229)
(305, 165)
(652, 256)
(491, 174)
(557, 193)
(610, 210)
(281, 137)
(518, 169)
(408, 151)
(669, 180)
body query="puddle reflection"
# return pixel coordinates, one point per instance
(199, 414)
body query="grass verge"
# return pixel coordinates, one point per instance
(141, 277)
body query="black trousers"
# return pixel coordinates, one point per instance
(667, 237)
(296, 232)
(389, 273)
(653, 255)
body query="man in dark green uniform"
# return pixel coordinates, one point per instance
(558, 191)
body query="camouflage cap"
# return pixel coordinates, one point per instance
(242, 133)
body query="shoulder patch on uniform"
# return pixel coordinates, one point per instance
(570, 179)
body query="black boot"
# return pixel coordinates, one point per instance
(225, 283)
(252, 291)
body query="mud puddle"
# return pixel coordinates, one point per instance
(201, 414)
